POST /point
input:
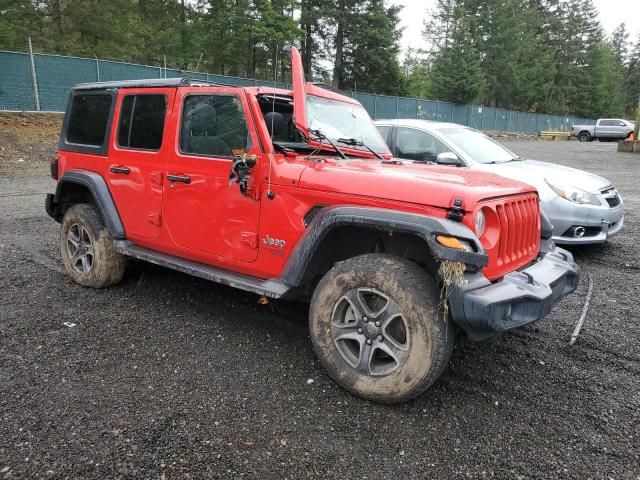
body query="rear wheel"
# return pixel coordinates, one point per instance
(87, 248)
(584, 137)
(377, 329)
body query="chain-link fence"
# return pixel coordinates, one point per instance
(53, 76)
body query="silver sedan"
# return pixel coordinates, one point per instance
(583, 208)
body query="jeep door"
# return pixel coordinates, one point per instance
(202, 210)
(139, 148)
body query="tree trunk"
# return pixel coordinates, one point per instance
(338, 67)
(308, 46)
(183, 35)
(56, 21)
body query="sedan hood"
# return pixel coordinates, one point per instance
(535, 173)
(418, 183)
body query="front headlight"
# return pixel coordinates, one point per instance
(480, 222)
(573, 194)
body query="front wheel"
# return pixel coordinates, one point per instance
(377, 329)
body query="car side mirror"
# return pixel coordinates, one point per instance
(448, 158)
(240, 170)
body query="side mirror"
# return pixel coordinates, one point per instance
(448, 158)
(240, 170)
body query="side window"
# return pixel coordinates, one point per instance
(384, 132)
(418, 145)
(213, 125)
(88, 120)
(141, 123)
(607, 123)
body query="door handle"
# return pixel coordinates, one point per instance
(179, 178)
(120, 169)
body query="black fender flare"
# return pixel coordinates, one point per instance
(97, 186)
(423, 226)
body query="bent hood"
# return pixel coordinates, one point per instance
(535, 173)
(422, 184)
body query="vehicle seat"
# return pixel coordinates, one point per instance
(202, 129)
(277, 126)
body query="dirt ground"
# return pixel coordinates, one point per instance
(26, 141)
(168, 376)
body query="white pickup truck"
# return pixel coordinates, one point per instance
(605, 129)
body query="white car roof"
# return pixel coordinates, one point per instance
(413, 122)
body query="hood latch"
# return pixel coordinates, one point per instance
(455, 210)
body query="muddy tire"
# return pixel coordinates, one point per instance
(87, 248)
(377, 329)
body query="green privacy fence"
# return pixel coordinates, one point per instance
(53, 76)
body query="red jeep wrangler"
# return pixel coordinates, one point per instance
(294, 194)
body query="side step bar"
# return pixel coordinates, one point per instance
(271, 288)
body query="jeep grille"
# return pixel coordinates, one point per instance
(519, 240)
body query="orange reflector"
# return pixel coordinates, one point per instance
(450, 242)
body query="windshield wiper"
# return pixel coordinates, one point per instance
(357, 143)
(321, 136)
(283, 149)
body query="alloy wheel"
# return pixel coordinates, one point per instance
(370, 332)
(80, 248)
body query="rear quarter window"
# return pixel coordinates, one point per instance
(87, 123)
(88, 120)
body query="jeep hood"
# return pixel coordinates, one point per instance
(416, 183)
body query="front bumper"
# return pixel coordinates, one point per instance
(484, 309)
(601, 222)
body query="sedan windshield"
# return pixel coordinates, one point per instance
(340, 120)
(478, 146)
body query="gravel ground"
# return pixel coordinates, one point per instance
(168, 376)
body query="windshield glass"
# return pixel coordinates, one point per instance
(340, 120)
(478, 146)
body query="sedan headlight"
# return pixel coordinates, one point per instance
(574, 194)
(480, 222)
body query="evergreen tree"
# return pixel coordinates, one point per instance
(517, 67)
(19, 19)
(456, 74)
(620, 43)
(632, 81)
(416, 72)
(373, 46)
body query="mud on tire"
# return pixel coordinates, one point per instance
(377, 330)
(87, 248)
